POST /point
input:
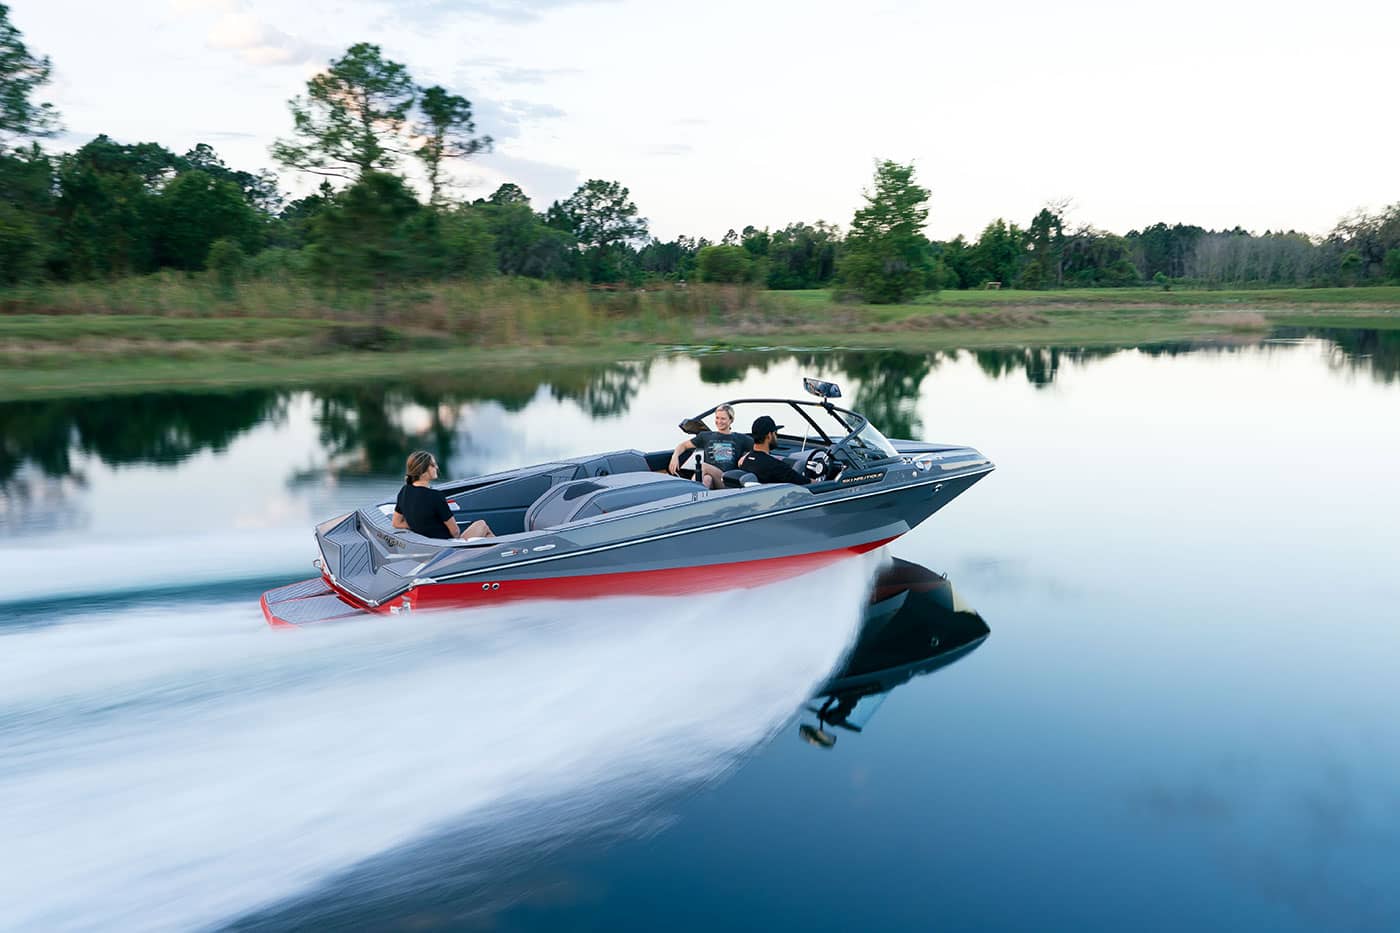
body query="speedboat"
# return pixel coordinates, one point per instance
(619, 523)
(914, 624)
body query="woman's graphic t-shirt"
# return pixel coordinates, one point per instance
(723, 450)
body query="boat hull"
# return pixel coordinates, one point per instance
(317, 600)
(690, 542)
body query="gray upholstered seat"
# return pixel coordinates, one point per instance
(586, 498)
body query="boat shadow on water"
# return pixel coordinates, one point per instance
(915, 624)
(481, 870)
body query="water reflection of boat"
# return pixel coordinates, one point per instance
(915, 624)
(618, 523)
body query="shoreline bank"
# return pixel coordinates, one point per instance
(69, 354)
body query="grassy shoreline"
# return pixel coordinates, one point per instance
(168, 331)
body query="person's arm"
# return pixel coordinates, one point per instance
(792, 476)
(775, 470)
(444, 514)
(681, 448)
(398, 521)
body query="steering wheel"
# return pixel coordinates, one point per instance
(819, 464)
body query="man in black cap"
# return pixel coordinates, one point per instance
(761, 463)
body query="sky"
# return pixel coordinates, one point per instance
(1268, 115)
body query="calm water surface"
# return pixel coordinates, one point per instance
(1156, 691)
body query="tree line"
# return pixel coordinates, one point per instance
(111, 209)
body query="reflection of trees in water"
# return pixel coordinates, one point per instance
(150, 428)
(719, 369)
(363, 426)
(365, 431)
(886, 389)
(1040, 364)
(604, 391)
(1356, 348)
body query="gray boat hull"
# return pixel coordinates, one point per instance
(687, 540)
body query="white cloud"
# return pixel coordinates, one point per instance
(429, 14)
(187, 7)
(1139, 116)
(258, 43)
(237, 31)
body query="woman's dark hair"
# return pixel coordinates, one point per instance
(417, 465)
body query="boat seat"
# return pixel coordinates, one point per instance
(738, 479)
(622, 461)
(587, 498)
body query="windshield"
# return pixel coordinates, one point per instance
(868, 445)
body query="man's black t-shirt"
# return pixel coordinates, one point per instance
(769, 469)
(425, 509)
(723, 450)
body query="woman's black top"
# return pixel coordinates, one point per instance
(723, 450)
(425, 509)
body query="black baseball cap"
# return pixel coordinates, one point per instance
(762, 425)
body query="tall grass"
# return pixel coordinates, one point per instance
(490, 311)
(509, 312)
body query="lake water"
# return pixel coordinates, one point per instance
(1183, 715)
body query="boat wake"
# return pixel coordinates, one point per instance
(175, 766)
(92, 571)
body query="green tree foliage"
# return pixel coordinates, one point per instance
(193, 211)
(1032, 275)
(509, 193)
(524, 244)
(756, 242)
(957, 255)
(26, 207)
(886, 256)
(1351, 264)
(227, 262)
(447, 132)
(673, 261)
(296, 220)
(351, 119)
(1370, 237)
(1045, 241)
(1392, 265)
(260, 190)
(1093, 257)
(997, 255)
(470, 246)
(731, 264)
(124, 209)
(1164, 249)
(106, 209)
(21, 74)
(603, 219)
(803, 255)
(365, 238)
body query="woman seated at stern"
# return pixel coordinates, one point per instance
(423, 509)
(723, 447)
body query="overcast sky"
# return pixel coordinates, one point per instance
(1271, 115)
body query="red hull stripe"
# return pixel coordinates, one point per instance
(672, 581)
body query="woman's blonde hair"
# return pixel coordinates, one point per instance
(418, 463)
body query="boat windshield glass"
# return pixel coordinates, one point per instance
(868, 445)
(795, 427)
